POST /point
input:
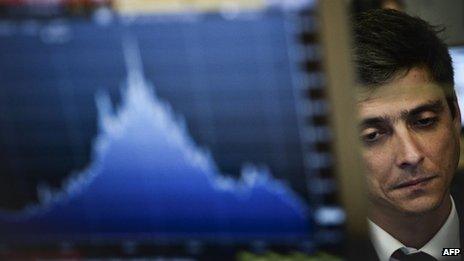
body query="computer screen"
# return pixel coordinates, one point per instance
(457, 55)
(164, 128)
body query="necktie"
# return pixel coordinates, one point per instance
(399, 255)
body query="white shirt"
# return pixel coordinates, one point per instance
(447, 237)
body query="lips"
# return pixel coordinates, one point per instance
(414, 182)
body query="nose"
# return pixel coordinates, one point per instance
(408, 150)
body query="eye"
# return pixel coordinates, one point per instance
(371, 136)
(426, 122)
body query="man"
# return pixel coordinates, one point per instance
(409, 123)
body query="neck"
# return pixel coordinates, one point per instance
(411, 230)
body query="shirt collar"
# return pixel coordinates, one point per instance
(446, 237)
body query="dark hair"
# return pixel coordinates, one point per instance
(389, 42)
(359, 6)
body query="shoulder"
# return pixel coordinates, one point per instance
(370, 252)
(457, 191)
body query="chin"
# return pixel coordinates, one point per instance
(421, 205)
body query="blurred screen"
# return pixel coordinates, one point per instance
(457, 55)
(152, 127)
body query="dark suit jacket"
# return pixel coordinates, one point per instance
(457, 191)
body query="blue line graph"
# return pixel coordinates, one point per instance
(149, 176)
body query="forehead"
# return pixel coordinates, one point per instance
(413, 89)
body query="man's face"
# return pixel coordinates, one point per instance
(410, 144)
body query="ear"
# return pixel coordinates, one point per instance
(457, 118)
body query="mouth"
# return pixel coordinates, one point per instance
(417, 182)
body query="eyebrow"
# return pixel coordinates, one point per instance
(435, 106)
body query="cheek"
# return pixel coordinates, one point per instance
(443, 150)
(378, 166)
